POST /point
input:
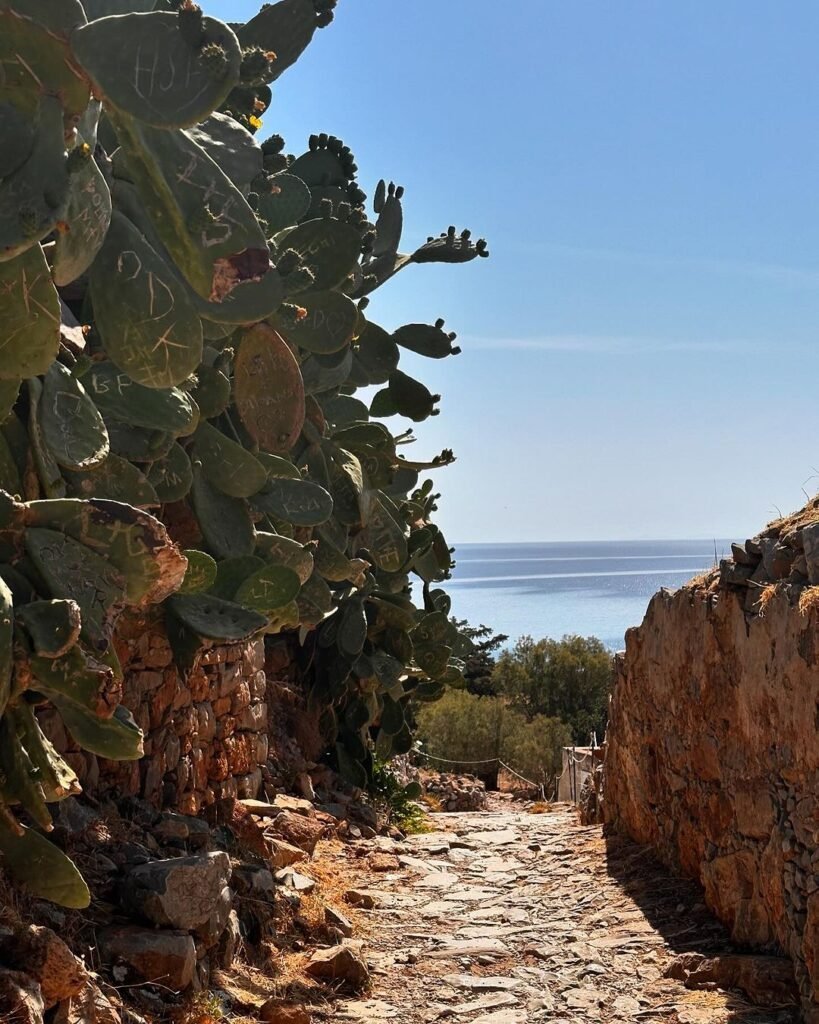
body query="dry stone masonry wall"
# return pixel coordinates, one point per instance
(712, 752)
(206, 730)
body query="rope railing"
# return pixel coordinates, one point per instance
(485, 760)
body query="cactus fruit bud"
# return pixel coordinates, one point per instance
(257, 66)
(273, 145)
(215, 60)
(289, 261)
(189, 20)
(300, 280)
(289, 314)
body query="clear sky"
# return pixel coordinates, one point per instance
(640, 353)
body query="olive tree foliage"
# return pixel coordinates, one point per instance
(569, 679)
(462, 728)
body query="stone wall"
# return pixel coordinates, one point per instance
(713, 744)
(206, 731)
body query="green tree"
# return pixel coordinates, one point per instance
(480, 664)
(464, 728)
(569, 679)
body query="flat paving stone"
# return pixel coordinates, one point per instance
(503, 917)
(478, 983)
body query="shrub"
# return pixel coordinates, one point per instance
(463, 728)
(569, 679)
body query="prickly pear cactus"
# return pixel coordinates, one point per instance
(67, 569)
(182, 322)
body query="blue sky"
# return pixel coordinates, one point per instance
(640, 350)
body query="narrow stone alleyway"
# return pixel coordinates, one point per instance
(510, 918)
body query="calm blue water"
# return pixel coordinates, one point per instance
(595, 589)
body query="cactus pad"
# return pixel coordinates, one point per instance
(329, 323)
(42, 867)
(286, 552)
(200, 574)
(214, 619)
(212, 392)
(202, 219)
(53, 626)
(132, 541)
(232, 147)
(284, 202)
(323, 373)
(148, 324)
(72, 570)
(117, 738)
(85, 220)
(411, 398)
(225, 522)
(227, 465)
(330, 248)
(285, 27)
(33, 198)
(268, 389)
(120, 397)
(300, 502)
(71, 425)
(232, 572)
(144, 65)
(116, 480)
(426, 340)
(30, 314)
(377, 353)
(172, 475)
(268, 589)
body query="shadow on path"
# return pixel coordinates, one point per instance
(675, 908)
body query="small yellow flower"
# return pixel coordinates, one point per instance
(255, 121)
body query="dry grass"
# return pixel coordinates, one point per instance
(803, 517)
(432, 803)
(540, 807)
(335, 869)
(708, 581)
(15, 905)
(808, 600)
(766, 595)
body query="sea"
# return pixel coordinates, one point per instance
(591, 588)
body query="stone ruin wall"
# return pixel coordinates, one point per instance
(206, 731)
(713, 743)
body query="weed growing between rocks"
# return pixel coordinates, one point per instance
(395, 802)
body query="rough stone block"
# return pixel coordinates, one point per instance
(182, 892)
(166, 957)
(21, 1000)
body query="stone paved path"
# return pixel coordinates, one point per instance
(513, 918)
